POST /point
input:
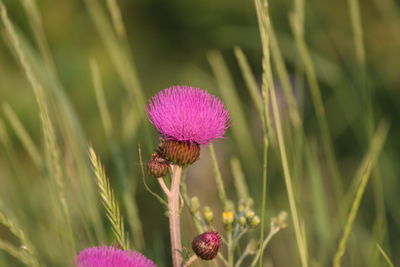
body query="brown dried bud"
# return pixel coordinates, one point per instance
(206, 245)
(157, 166)
(180, 153)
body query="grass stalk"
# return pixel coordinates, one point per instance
(385, 256)
(298, 30)
(53, 154)
(23, 135)
(363, 176)
(300, 239)
(264, 27)
(239, 179)
(30, 253)
(218, 177)
(226, 87)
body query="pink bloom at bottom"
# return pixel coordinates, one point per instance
(111, 257)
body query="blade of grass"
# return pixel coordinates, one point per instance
(17, 253)
(53, 157)
(17, 231)
(128, 191)
(385, 256)
(218, 178)
(23, 135)
(264, 27)
(116, 17)
(250, 80)
(226, 87)
(239, 179)
(363, 175)
(300, 239)
(121, 58)
(262, 8)
(298, 30)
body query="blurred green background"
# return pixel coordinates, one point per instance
(190, 43)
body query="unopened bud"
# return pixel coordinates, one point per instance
(194, 204)
(208, 215)
(241, 205)
(250, 214)
(249, 203)
(280, 220)
(180, 153)
(242, 221)
(228, 217)
(253, 246)
(157, 166)
(206, 245)
(254, 222)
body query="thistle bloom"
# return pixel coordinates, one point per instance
(111, 257)
(186, 114)
(186, 117)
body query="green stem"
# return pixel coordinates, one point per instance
(264, 245)
(230, 249)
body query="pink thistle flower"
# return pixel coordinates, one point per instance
(111, 257)
(187, 114)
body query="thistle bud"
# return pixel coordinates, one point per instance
(206, 245)
(249, 215)
(157, 166)
(241, 205)
(194, 204)
(180, 153)
(280, 220)
(228, 218)
(254, 222)
(208, 215)
(249, 203)
(242, 221)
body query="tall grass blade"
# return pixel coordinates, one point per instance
(300, 238)
(226, 87)
(127, 188)
(385, 256)
(239, 179)
(101, 101)
(116, 17)
(23, 135)
(53, 154)
(298, 30)
(120, 56)
(250, 80)
(30, 256)
(218, 177)
(264, 28)
(363, 175)
(17, 253)
(3, 134)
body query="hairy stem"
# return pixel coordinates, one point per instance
(174, 223)
(192, 259)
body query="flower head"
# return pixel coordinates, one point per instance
(206, 245)
(111, 257)
(187, 114)
(157, 166)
